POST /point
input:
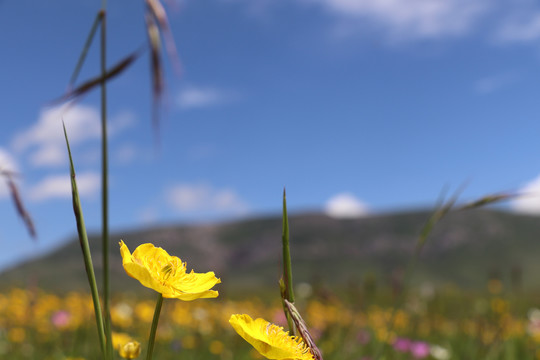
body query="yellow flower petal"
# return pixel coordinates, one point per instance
(270, 340)
(166, 274)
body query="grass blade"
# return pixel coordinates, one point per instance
(488, 200)
(85, 49)
(19, 205)
(83, 240)
(302, 329)
(90, 84)
(156, 67)
(159, 13)
(286, 284)
(105, 188)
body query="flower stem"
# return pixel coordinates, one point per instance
(152, 338)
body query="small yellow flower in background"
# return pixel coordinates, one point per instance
(122, 315)
(216, 347)
(17, 335)
(270, 340)
(495, 286)
(166, 274)
(130, 350)
(189, 342)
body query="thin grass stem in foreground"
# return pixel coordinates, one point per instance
(85, 49)
(286, 283)
(105, 186)
(83, 240)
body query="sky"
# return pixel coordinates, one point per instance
(357, 107)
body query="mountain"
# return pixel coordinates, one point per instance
(465, 248)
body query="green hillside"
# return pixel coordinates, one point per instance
(464, 249)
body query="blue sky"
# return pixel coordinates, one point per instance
(356, 106)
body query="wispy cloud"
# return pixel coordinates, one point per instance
(506, 21)
(412, 19)
(521, 25)
(200, 97)
(203, 198)
(59, 186)
(529, 202)
(493, 83)
(45, 138)
(345, 206)
(125, 153)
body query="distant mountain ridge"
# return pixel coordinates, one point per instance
(464, 249)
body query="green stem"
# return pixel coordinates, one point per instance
(85, 49)
(152, 338)
(105, 186)
(287, 291)
(83, 240)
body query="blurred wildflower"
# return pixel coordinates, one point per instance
(419, 349)
(499, 305)
(166, 274)
(363, 337)
(120, 339)
(270, 340)
(16, 335)
(216, 347)
(495, 286)
(130, 350)
(533, 328)
(61, 319)
(144, 311)
(189, 342)
(122, 315)
(439, 352)
(402, 344)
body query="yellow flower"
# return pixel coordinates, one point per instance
(270, 340)
(166, 274)
(130, 350)
(126, 346)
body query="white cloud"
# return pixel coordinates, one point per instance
(493, 83)
(345, 205)
(148, 215)
(59, 186)
(203, 198)
(82, 123)
(199, 97)
(412, 18)
(406, 20)
(45, 139)
(125, 154)
(529, 201)
(520, 28)
(7, 163)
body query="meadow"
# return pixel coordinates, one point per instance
(432, 324)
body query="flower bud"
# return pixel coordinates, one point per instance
(130, 350)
